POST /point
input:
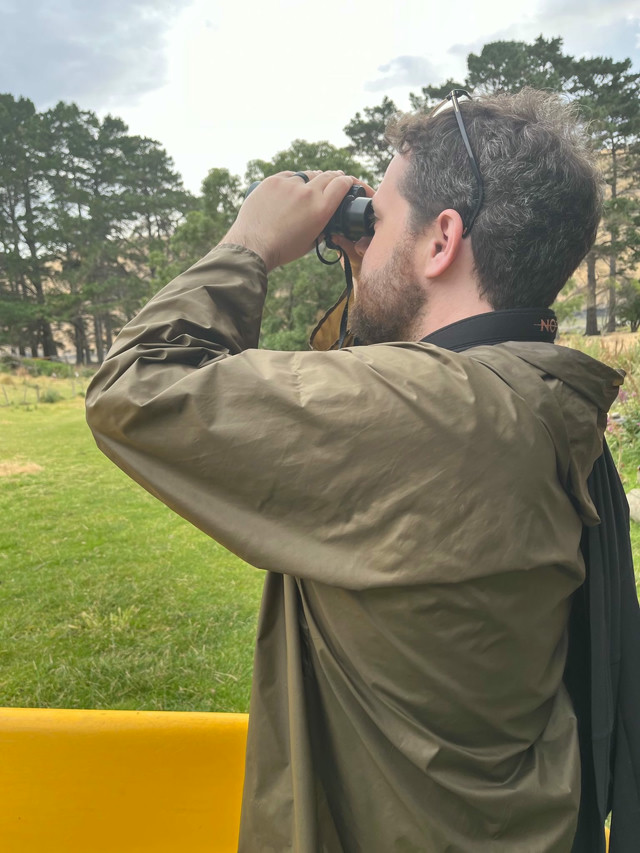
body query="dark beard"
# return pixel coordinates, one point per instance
(389, 301)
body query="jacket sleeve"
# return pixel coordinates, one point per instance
(343, 466)
(232, 438)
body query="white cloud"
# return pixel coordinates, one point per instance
(405, 71)
(96, 52)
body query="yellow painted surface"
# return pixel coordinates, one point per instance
(120, 781)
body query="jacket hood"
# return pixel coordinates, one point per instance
(572, 400)
(592, 379)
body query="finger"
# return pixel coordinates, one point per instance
(349, 250)
(323, 179)
(369, 191)
(310, 173)
(341, 241)
(335, 189)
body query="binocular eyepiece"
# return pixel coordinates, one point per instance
(353, 218)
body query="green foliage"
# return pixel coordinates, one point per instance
(629, 303)
(623, 424)
(367, 134)
(569, 302)
(608, 93)
(202, 229)
(51, 396)
(508, 66)
(43, 367)
(623, 435)
(25, 244)
(302, 155)
(298, 296)
(82, 204)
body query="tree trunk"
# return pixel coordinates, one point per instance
(592, 316)
(97, 328)
(49, 346)
(611, 319)
(79, 339)
(612, 306)
(108, 331)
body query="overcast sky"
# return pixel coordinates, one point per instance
(221, 83)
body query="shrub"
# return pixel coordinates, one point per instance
(51, 396)
(46, 367)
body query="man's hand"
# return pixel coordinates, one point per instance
(283, 216)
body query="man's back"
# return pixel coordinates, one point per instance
(425, 711)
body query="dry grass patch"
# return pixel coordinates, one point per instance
(15, 467)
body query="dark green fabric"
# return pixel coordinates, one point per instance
(603, 672)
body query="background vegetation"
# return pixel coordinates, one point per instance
(94, 220)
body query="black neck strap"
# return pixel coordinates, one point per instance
(497, 327)
(344, 321)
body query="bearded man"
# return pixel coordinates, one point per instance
(418, 498)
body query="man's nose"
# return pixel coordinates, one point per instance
(362, 245)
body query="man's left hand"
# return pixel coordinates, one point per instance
(283, 216)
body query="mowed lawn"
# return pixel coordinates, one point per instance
(107, 598)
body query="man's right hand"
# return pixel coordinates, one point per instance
(283, 216)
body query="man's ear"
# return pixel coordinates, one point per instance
(444, 241)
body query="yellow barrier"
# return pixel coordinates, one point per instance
(120, 781)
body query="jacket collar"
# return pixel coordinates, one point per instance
(497, 327)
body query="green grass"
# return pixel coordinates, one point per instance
(107, 598)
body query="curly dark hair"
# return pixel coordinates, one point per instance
(543, 190)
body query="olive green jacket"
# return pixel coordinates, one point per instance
(419, 514)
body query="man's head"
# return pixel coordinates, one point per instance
(542, 190)
(412, 280)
